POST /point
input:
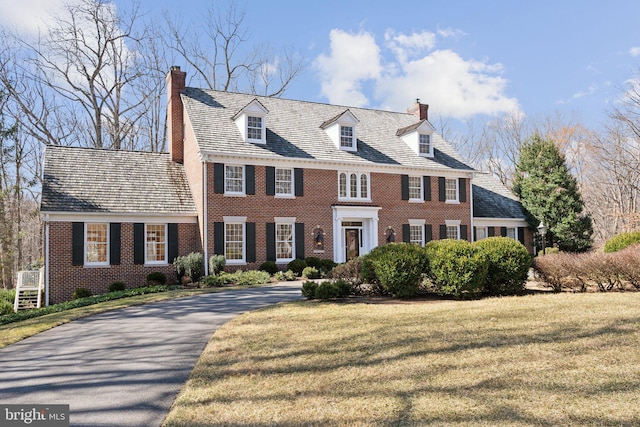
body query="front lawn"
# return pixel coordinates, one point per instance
(561, 359)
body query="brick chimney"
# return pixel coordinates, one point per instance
(175, 121)
(421, 111)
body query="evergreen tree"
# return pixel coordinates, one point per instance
(550, 193)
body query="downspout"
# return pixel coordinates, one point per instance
(205, 224)
(46, 260)
(471, 205)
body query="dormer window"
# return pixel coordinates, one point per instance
(342, 131)
(419, 137)
(251, 122)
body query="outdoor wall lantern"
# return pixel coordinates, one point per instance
(391, 235)
(542, 229)
(318, 239)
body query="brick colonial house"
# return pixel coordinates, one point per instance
(257, 179)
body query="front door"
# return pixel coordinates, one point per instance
(352, 242)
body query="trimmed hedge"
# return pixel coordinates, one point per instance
(117, 286)
(508, 265)
(156, 278)
(217, 264)
(397, 267)
(456, 268)
(270, 267)
(622, 241)
(297, 266)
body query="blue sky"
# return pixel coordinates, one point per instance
(464, 58)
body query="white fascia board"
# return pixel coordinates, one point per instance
(337, 165)
(115, 217)
(500, 222)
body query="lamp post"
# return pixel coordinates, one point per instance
(542, 229)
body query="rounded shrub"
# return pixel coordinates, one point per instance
(81, 293)
(327, 265)
(327, 290)
(117, 286)
(398, 268)
(508, 265)
(309, 289)
(297, 265)
(157, 278)
(310, 273)
(6, 307)
(217, 264)
(622, 241)
(270, 267)
(313, 262)
(456, 268)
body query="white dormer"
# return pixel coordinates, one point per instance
(342, 131)
(251, 122)
(419, 137)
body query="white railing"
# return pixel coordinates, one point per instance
(29, 290)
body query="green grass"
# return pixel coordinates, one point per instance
(561, 359)
(16, 331)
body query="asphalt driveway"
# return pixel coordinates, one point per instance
(124, 367)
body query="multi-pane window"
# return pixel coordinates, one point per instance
(453, 232)
(234, 241)
(156, 243)
(353, 185)
(233, 179)
(96, 244)
(424, 144)
(416, 234)
(415, 188)
(284, 241)
(284, 181)
(254, 127)
(512, 233)
(481, 233)
(451, 190)
(346, 136)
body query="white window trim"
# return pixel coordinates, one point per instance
(486, 232)
(97, 264)
(166, 246)
(286, 221)
(244, 181)
(457, 199)
(417, 223)
(358, 186)
(253, 109)
(353, 145)
(290, 195)
(242, 220)
(263, 130)
(454, 223)
(421, 198)
(515, 232)
(428, 154)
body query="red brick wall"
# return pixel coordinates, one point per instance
(64, 277)
(315, 208)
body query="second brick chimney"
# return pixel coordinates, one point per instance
(176, 83)
(421, 111)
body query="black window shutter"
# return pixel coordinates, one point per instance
(404, 182)
(463, 232)
(271, 180)
(475, 234)
(443, 231)
(250, 229)
(299, 240)
(271, 241)
(138, 243)
(426, 183)
(503, 231)
(491, 231)
(428, 233)
(218, 238)
(218, 178)
(521, 234)
(442, 195)
(406, 233)
(172, 242)
(462, 187)
(250, 172)
(114, 243)
(298, 181)
(77, 243)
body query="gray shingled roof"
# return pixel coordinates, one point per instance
(110, 181)
(491, 199)
(293, 131)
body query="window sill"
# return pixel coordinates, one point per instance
(285, 196)
(416, 201)
(452, 202)
(236, 262)
(235, 195)
(155, 264)
(97, 265)
(344, 199)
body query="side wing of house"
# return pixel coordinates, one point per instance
(113, 216)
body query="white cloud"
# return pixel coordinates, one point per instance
(27, 16)
(354, 59)
(590, 91)
(634, 51)
(451, 32)
(452, 85)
